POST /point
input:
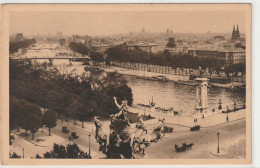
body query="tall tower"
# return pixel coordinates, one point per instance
(237, 32)
(234, 33)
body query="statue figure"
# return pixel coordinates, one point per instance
(160, 128)
(100, 136)
(122, 114)
(123, 103)
(140, 123)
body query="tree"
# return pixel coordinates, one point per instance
(35, 124)
(14, 155)
(122, 92)
(97, 57)
(62, 41)
(49, 120)
(171, 42)
(90, 106)
(79, 47)
(31, 117)
(73, 109)
(14, 46)
(15, 112)
(71, 151)
(82, 112)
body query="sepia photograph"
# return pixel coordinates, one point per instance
(127, 84)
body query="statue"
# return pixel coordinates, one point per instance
(160, 128)
(100, 136)
(140, 123)
(120, 143)
(120, 139)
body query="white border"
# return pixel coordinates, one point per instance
(255, 71)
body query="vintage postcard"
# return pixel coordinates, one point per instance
(102, 84)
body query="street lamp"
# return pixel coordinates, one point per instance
(218, 141)
(235, 104)
(220, 106)
(89, 135)
(227, 117)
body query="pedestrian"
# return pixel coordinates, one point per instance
(227, 118)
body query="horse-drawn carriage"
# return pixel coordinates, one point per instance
(184, 147)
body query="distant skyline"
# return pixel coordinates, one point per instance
(109, 23)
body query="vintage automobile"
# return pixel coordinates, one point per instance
(195, 128)
(65, 130)
(168, 129)
(73, 136)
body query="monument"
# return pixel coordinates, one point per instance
(201, 95)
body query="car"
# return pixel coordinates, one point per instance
(168, 129)
(74, 135)
(195, 128)
(65, 130)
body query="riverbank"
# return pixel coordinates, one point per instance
(145, 73)
(210, 119)
(180, 79)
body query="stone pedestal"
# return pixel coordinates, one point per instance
(201, 95)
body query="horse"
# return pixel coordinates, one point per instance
(113, 150)
(140, 142)
(189, 146)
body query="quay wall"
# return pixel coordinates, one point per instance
(145, 73)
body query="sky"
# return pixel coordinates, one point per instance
(108, 23)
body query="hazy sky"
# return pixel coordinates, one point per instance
(107, 23)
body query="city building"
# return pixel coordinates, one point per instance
(229, 57)
(145, 47)
(100, 48)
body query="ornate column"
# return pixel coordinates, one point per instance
(201, 94)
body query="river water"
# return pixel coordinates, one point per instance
(165, 94)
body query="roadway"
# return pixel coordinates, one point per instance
(232, 140)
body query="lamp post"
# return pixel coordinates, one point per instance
(227, 117)
(218, 141)
(220, 106)
(89, 135)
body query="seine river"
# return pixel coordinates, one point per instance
(165, 94)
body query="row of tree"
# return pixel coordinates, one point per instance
(28, 116)
(76, 97)
(71, 151)
(123, 54)
(14, 46)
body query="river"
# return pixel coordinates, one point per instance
(165, 94)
